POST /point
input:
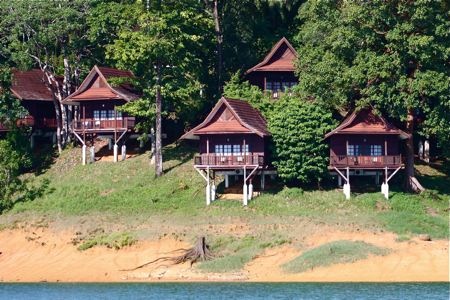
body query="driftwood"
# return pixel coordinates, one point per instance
(200, 252)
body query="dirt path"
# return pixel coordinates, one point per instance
(31, 255)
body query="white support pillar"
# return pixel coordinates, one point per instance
(213, 191)
(385, 190)
(245, 194)
(124, 152)
(426, 151)
(347, 191)
(263, 181)
(244, 189)
(92, 156)
(385, 185)
(339, 181)
(116, 152)
(250, 191)
(208, 188)
(227, 181)
(110, 144)
(83, 155)
(421, 154)
(208, 193)
(347, 185)
(32, 141)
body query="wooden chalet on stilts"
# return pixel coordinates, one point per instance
(233, 140)
(365, 144)
(97, 99)
(275, 74)
(37, 99)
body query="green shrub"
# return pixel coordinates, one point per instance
(115, 241)
(332, 253)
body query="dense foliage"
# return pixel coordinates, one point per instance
(392, 54)
(298, 127)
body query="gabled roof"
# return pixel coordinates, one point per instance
(86, 92)
(30, 85)
(231, 116)
(280, 58)
(365, 121)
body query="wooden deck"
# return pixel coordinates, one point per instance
(366, 162)
(92, 125)
(229, 161)
(29, 121)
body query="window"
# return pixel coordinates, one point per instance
(103, 115)
(96, 115)
(218, 149)
(245, 150)
(227, 150)
(375, 150)
(236, 149)
(353, 150)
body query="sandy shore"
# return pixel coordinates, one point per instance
(33, 255)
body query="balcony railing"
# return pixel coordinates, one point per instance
(92, 124)
(30, 121)
(366, 161)
(212, 159)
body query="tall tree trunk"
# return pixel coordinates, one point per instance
(67, 88)
(158, 137)
(412, 184)
(219, 42)
(54, 86)
(59, 142)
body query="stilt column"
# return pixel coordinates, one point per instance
(250, 191)
(213, 191)
(124, 152)
(245, 194)
(92, 152)
(32, 141)
(263, 181)
(116, 152)
(83, 155)
(227, 181)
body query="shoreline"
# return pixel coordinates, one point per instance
(40, 255)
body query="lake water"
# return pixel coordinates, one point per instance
(242, 291)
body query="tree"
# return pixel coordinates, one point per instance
(392, 54)
(50, 35)
(164, 46)
(298, 127)
(13, 156)
(236, 89)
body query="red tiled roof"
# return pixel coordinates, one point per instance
(30, 85)
(240, 117)
(96, 94)
(280, 58)
(365, 121)
(86, 92)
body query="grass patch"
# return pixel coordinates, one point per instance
(128, 193)
(332, 253)
(114, 241)
(233, 253)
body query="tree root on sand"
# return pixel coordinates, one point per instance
(200, 252)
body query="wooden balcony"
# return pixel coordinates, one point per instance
(366, 162)
(30, 121)
(92, 125)
(228, 161)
